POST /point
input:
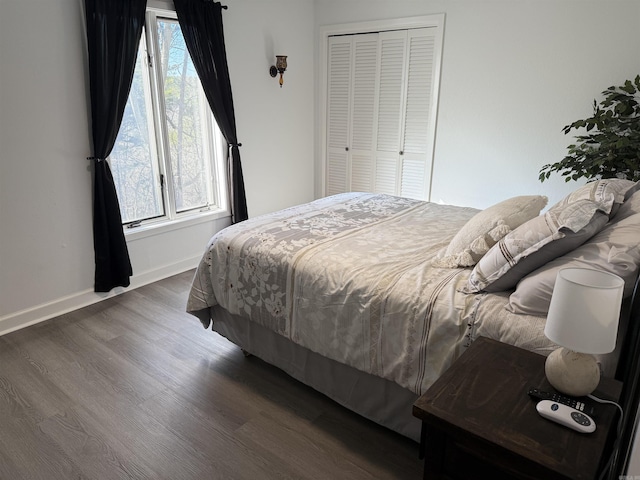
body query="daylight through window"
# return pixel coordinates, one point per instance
(166, 162)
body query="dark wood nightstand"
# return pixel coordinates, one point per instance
(479, 422)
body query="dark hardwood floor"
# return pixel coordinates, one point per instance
(133, 387)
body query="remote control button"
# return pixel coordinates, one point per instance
(554, 407)
(580, 418)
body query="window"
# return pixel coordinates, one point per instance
(167, 159)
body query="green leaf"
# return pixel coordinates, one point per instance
(628, 87)
(610, 144)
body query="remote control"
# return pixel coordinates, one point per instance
(567, 416)
(568, 401)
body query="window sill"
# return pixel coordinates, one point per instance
(158, 228)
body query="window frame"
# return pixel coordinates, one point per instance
(215, 147)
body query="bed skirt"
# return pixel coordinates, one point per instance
(390, 405)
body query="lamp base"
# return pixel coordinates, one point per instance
(572, 373)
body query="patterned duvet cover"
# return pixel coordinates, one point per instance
(351, 278)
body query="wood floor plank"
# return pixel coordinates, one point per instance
(223, 401)
(383, 455)
(129, 428)
(233, 459)
(110, 372)
(278, 437)
(134, 387)
(95, 454)
(24, 448)
(30, 387)
(167, 319)
(37, 346)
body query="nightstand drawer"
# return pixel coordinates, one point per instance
(467, 457)
(464, 459)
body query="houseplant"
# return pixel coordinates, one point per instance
(609, 146)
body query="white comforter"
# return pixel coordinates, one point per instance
(350, 277)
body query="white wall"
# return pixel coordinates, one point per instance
(513, 74)
(46, 246)
(275, 125)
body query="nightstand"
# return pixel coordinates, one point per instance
(479, 422)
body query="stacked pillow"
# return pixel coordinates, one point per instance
(615, 249)
(485, 228)
(560, 230)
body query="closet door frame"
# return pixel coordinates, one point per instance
(435, 20)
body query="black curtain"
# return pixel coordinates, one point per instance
(201, 24)
(114, 28)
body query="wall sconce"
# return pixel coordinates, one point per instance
(279, 67)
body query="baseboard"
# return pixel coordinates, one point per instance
(31, 316)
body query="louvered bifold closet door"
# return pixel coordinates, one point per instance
(365, 73)
(338, 114)
(380, 112)
(419, 119)
(404, 131)
(390, 111)
(352, 90)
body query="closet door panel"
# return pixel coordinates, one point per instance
(390, 98)
(419, 91)
(386, 174)
(337, 173)
(365, 72)
(417, 141)
(338, 117)
(362, 173)
(413, 179)
(338, 114)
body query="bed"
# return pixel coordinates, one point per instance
(368, 298)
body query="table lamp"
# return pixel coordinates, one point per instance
(583, 320)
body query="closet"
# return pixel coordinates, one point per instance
(380, 111)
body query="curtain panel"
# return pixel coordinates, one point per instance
(114, 28)
(201, 24)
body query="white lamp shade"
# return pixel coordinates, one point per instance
(584, 311)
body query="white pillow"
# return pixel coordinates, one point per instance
(615, 249)
(606, 194)
(484, 229)
(631, 206)
(565, 226)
